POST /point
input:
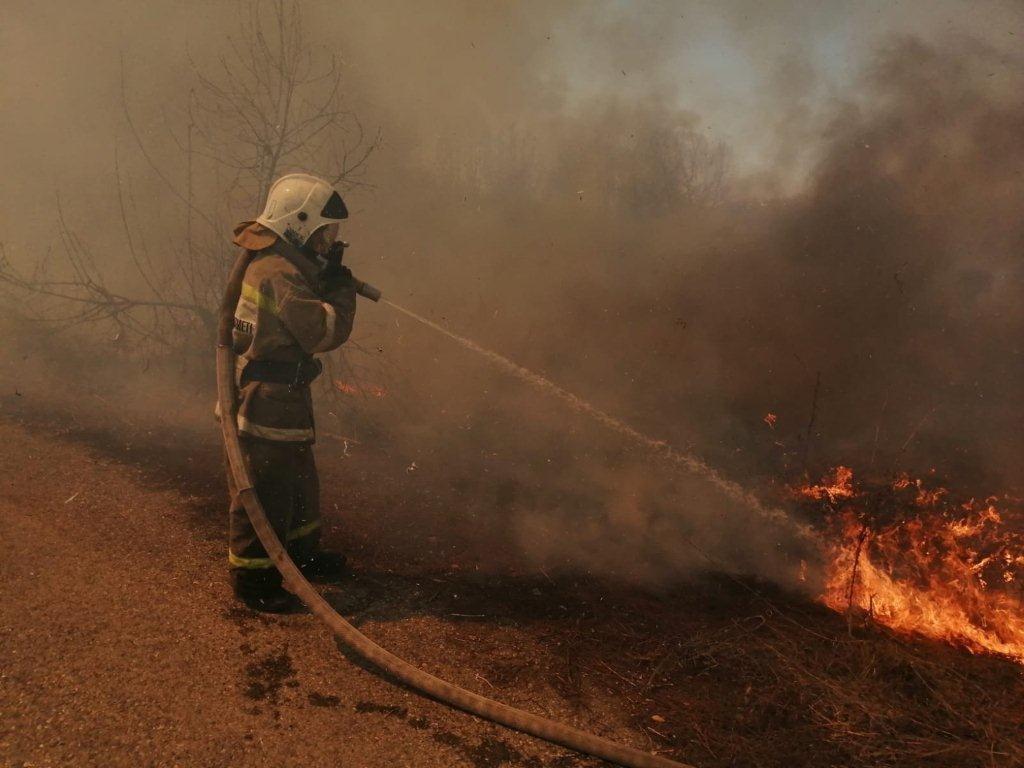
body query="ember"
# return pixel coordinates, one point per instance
(365, 390)
(918, 560)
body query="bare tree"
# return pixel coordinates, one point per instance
(662, 162)
(268, 105)
(271, 106)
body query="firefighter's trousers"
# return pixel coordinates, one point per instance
(285, 479)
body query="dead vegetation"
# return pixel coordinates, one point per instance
(725, 673)
(263, 107)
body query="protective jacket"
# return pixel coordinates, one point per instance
(281, 321)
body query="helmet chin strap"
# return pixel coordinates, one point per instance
(310, 252)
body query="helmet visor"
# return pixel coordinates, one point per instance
(335, 208)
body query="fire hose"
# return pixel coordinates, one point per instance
(415, 678)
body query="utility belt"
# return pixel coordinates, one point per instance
(300, 374)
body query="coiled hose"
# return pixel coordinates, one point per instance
(423, 682)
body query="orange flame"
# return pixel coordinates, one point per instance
(371, 390)
(839, 486)
(918, 562)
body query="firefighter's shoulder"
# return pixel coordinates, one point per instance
(270, 266)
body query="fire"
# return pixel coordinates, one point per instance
(919, 561)
(371, 390)
(839, 487)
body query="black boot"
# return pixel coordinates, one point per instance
(262, 591)
(323, 567)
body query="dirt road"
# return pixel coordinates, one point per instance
(120, 644)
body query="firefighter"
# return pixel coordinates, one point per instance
(295, 302)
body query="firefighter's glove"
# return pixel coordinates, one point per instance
(334, 275)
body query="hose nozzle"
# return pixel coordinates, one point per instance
(366, 290)
(335, 256)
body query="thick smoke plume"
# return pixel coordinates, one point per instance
(874, 313)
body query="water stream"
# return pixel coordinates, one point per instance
(660, 448)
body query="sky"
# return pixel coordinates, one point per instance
(743, 67)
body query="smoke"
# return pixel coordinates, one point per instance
(872, 312)
(690, 219)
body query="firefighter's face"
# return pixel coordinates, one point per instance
(321, 240)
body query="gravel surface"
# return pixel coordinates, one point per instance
(120, 643)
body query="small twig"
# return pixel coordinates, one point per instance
(617, 674)
(878, 431)
(914, 431)
(861, 538)
(810, 423)
(478, 676)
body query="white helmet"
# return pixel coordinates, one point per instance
(298, 205)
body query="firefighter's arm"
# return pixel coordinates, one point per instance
(319, 324)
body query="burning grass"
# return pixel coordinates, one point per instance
(359, 389)
(915, 557)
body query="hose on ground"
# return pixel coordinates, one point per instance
(415, 678)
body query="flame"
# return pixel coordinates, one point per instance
(371, 390)
(839, 486)
(918, 561)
